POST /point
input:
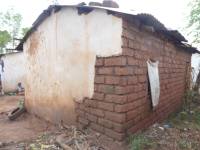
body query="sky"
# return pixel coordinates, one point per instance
(172, 13)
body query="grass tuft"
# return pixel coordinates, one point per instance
(139, 142)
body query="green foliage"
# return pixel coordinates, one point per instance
(194, 20)
(11, 21)
(4, 39)
(140, 142)
(10, 25)
(185, 119)
(185, 144)
(24, 30)
(190, 97)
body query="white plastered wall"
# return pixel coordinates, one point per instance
(14, 71)
(61, 57)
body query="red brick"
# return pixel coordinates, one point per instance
(131, 114)
(99, 62)
(118, 99)
(121, 108)
(142, 93)
(127, 52)
(140, 71)
(129, 124)
(138, 87)
(132, 80)
(133, 44)
(134, 129)
(107, 89)
(121, 90)
(96, 87)
(91, 117)
(123, 80)
(106, 106)
(124, 107)
(132, 97)
(97, 112)
(83, 107)
(91, 103)
(124, 89)
(125, 24)
(83, 120)
(99, 79)
(116, 117)
(132, 61)
(115, 61)
(97, 127)
(137, 103)
(142, 63)
(105, 71)
(128, 34)
(137, 119)
(112, 80)
(142, 78)
(119, 127)
(124, 42)
(106, 123)
(115, 135)
(80, 113)
(124, 70)
(140, 55)
(98, 96)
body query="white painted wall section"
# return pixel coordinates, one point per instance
(14, 71)
(61, 57)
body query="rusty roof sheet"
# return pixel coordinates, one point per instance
(175, 36)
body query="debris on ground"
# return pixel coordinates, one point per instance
(14, 114)
(73, 139)
(180, 132)
(66, 139)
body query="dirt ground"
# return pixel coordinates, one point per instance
(26, 127)
(31, 133)
(181, 132)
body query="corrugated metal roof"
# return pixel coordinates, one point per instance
(145, 19)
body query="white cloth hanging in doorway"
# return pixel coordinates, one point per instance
(153, 75)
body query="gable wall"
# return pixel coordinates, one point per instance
(60, 60)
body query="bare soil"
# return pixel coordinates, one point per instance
(31, 133)
(180, 131)
(26, 127)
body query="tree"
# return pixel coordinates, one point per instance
(10, 23)
(24, 31)
(194, 21)
(194, 31)
(4, 39)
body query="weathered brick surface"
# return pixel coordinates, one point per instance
(121, 102)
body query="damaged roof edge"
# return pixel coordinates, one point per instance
(146, 19)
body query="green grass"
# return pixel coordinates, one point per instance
(186, 120)
(140, 142)
(184, 144)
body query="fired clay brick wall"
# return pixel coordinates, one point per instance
(121, 103)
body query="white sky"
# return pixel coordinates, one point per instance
(170, 12)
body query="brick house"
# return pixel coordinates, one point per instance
(87, 65)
